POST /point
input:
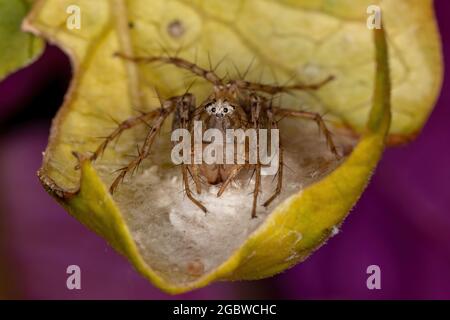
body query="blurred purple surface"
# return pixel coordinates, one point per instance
(402, 222)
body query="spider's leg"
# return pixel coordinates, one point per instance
(256, 119)
(182, 120)
(256, 188)
(208, 75)
(274, 125)
(315, 117)
(274, 89)
(193, 168)
(144, 150)
(187, 189)
(125, 125)
(234, 172)
(242, 162)
(196, 177)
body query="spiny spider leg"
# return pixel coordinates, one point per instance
(182, 119)
(143, 152)
(318, 119)
(188, 190)
(274, 89)
(125, 125)
(208, 75)
(236, 169)
(256, 105)
(195, 174)
(274, 125)
(234, 172)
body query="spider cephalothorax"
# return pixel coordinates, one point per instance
(237, 104)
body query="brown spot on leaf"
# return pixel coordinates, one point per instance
(176, 29)
(195, 268)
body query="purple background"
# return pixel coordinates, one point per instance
(402, 222)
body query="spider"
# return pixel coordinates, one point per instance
(233, 104)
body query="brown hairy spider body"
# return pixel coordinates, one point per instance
(236, 104)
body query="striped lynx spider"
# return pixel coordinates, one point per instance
(233, 104)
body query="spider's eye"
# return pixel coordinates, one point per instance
(210, 108)
(225, 110)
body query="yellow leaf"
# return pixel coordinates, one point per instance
(148, 220)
